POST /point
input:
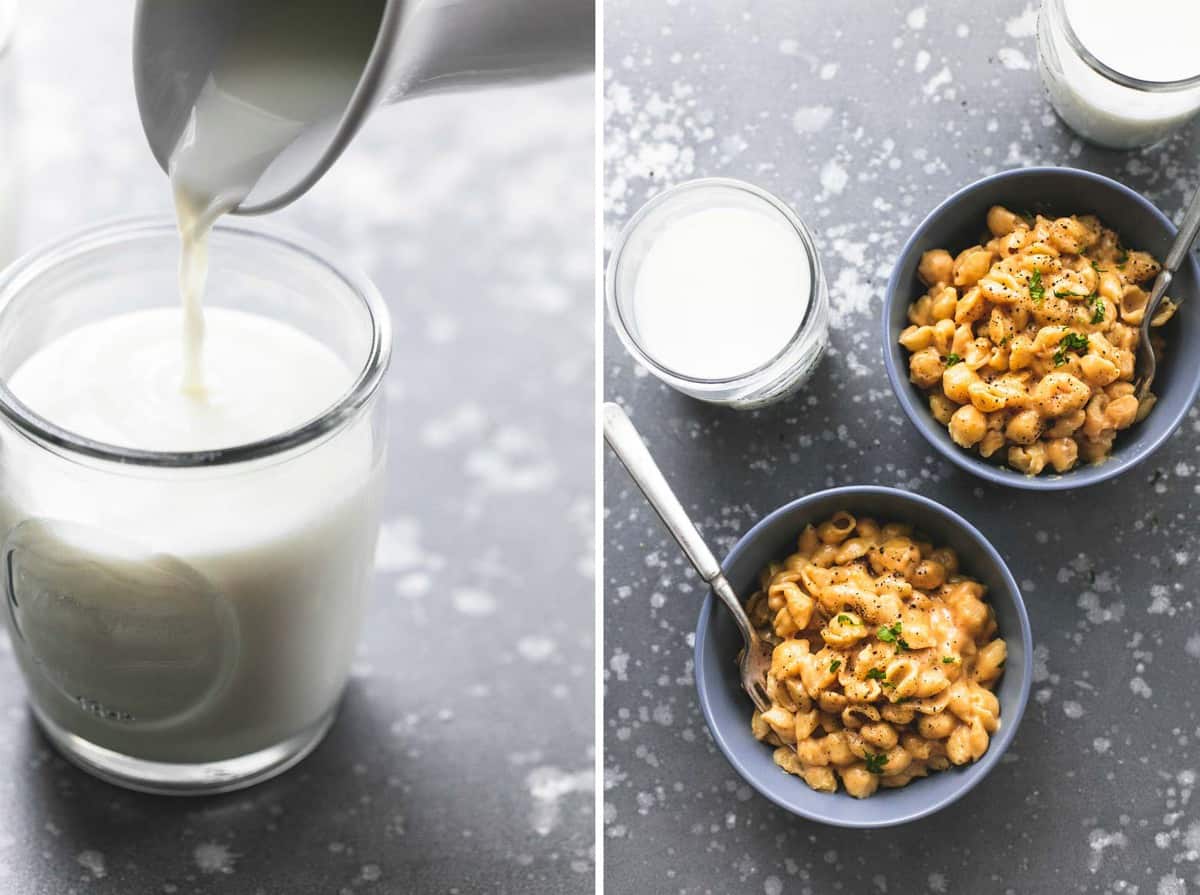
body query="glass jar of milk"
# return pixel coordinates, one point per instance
(185, 576)
(715, 286)
(1121, 75)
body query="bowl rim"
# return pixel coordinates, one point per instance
(1012, 716)
(963, 459)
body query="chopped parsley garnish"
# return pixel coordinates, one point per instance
(875, 762)
(1097, 304)
(1122, 258)
(1036, 290)
(952, 359)
(875, 674)
(889, 633)
(1070, 342)
(835, 665)
(948, 660)
(845, 619)
(1096, 267)
(1065, 293)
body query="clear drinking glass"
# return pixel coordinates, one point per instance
(185, 622)
(773, 380)
(1101, 104)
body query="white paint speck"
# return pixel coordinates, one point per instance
(92, 861)
(834, 177)
(811, 119)
(1013, 59)
(828, 70)
(535, 648)
(916, 18)
(922, 61)
(938, 81)
(1140, 688)
(1072, 709)
(214, 857)
(548, 786)
(471, 601)
(1024, 25)
(773, 885)
(1171, 885)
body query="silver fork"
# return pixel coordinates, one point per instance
(1146, 366)
(755, 658)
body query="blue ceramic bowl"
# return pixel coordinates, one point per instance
(728, 709)
(958, 223)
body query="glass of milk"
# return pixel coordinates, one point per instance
(1121, 75)
(184, 582)
(716, 288)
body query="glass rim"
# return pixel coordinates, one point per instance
(21, 273)
(1107, 71)
(668, 195)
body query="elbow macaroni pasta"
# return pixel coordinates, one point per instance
(884, 662)
(1025, 344)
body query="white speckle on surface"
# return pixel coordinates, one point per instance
(789, 47)
(548, 786)
(828, 71)
(1100, 840)
(916, 18)
(472, 601)
(773, 885)
(214, 857)
(849, 296)
(535, 648)
(464, 422)
(619, 663)
(922, 61)
(811, 119)
(938, 81)
(1171, 885)
(1072, 709)
(399, 548)
(834, 177)
(1192, 647)
(937, 882)
(370, 873)
(512, 463)
(1024, 25)
(1140, 687)
(92, 861)
(1013, 59)
(1101, 745)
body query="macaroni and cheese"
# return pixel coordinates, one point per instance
(1026, 343)
(884, 662)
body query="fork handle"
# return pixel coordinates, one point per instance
(1188, 230)
(627, 444)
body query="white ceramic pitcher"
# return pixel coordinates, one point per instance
(405, 48)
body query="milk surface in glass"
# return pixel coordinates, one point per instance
(1152, 43)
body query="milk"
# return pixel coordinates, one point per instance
(721, 291)
(272, 83)
(1153, 42)
(187, 615)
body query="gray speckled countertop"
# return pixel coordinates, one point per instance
(463, 768)
(864, 116)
